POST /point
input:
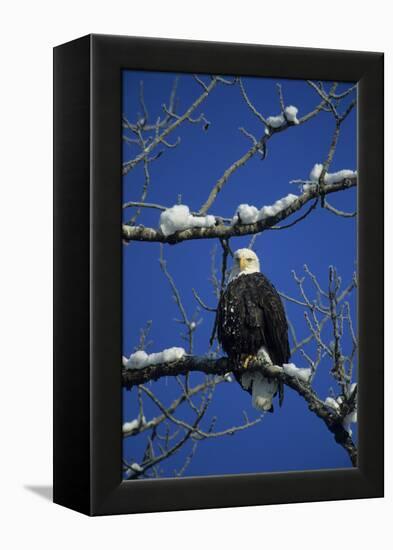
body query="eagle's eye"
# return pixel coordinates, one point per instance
(249, 259)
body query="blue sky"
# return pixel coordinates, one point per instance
(292, 438)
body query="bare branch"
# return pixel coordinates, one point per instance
(144, 191)
(130, 164)
(195, 429)
(159, 124)
(201, 303)
(345, 93)
(339, 212)
(156, 421)
(188, 460)
(137, 204)
(190, 324)
(143, 105)
(281, 98)
(200, 82)
(248, 135)
(330, 101)
(325, 97)
(319, 107)
(250, 104)
(167, 452)
(227, 81)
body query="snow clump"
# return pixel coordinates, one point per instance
(301, 374)
(246, 213)
(332, 178)
(290, 115)
(140, 359)
(179, 218)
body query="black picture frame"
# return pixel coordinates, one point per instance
(88, 271)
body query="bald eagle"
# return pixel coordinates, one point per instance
(251, 322)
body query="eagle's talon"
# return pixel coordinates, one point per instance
(247, 360)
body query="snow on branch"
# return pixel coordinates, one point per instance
(332, 403)
(140, 359)
(179, 218)
(350, 418)
(133, 425)
(289, 115)
(246, 214)
(334, 177)
(223, 231)
(346, 407)
(302, 374)
(134, 468)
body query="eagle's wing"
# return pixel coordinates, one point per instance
(265, 312)
(250, 316)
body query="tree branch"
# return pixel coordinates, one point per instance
(258, 146)
(130, 164)
(222, 231)
(332, 419)
(185, 396)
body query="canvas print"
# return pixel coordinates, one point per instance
(239, 275)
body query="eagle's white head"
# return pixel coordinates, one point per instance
(245, 261)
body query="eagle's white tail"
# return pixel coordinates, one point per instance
(263, 390)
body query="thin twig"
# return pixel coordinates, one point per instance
(130, 164)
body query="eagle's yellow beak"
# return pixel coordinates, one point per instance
(243, 264)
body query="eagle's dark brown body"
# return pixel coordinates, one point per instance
(251, 315)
